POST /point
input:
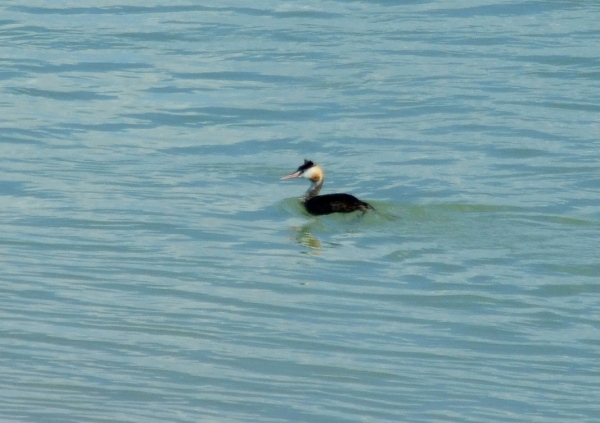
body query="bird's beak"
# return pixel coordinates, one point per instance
(292, 175)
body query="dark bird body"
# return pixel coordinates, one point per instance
(335, 203)
(328, 203)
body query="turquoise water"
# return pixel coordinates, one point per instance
(155, 269)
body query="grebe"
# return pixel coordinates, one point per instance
(324, 204)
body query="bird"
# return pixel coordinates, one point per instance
(317, 204)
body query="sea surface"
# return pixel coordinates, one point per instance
(154, 267)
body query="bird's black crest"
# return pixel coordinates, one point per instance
(307, 165)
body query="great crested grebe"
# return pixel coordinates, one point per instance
(328, 203)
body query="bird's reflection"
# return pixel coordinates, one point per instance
(304, 237)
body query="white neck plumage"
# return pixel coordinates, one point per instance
(316, 177)
(313, 190)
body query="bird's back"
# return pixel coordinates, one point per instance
(335, 203)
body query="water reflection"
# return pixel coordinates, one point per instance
(305, 237)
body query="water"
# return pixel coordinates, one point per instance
(154, 267)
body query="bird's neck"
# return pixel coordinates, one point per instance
(313, 190)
